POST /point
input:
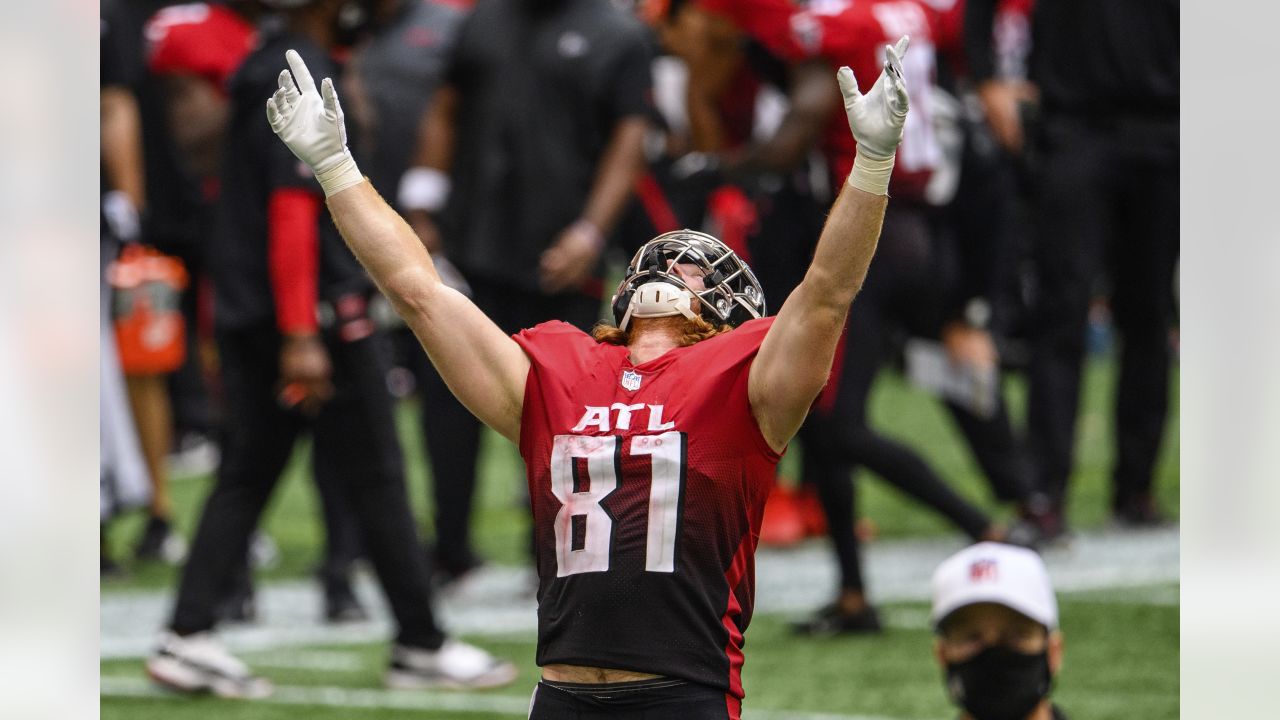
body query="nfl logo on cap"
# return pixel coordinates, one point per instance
(631, 380)
(995, 573)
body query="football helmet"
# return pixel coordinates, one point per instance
(651, 288)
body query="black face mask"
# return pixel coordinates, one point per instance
(999, 683)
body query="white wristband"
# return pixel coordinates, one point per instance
(423, 188)
(871, 174)
(588, 229)
(339, 177)
(121, 216)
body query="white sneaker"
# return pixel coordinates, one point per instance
(456, 665)
(199, 663)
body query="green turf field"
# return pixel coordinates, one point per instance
(1122, 653)
(1121, 663)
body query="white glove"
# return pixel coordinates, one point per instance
(312, 127)
(876, 120)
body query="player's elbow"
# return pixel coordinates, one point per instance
(411, 292)
(828, 293)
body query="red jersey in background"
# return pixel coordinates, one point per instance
(854, 33)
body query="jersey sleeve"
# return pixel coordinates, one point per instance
(556, 349)
(737, 346)
(726, 359)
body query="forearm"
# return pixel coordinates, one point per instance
(846, 246)
(122, 144)
(436, 131)
(385, 245)
(620, 166)
(713, 60)
(484, 367)
(795, 358)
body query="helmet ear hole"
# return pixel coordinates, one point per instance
(620, 303)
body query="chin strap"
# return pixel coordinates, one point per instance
(658, 299)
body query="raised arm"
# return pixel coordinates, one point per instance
(795, 358)
(483, 367)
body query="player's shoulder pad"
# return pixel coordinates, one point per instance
(555, 344)
(741, 343)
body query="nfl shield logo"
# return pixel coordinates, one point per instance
(982, 570)
(631, 380)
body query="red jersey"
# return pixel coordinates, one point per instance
(854, 33)
(648, 485)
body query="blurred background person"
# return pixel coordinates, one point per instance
(1106, 219)
(998, 642)
(279, 268)
(192, 50)
(124, 481)
(526, 162)
(393, 76)
(984, 241)
(137, 185)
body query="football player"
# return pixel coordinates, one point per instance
(651, 449)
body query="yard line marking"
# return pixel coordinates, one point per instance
(324, 660)
(459, 702)
(346, 697)
(497, 601)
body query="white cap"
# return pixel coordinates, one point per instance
(990, 572)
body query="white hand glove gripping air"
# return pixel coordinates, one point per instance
(312, 127)
(876, 120)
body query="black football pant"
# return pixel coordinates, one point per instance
(452, 433)
(354, 448)
(657, 699)
(452, 437)
(1107, 208)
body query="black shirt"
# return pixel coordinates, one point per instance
(541, 85)
(172, 219)
(399, 70)
(121, 61)
(255, 164)
(1093, 57)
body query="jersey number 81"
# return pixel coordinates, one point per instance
(584, 530)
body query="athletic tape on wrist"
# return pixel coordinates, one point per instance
(871, 174)
(423, 188)
(339, 177)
